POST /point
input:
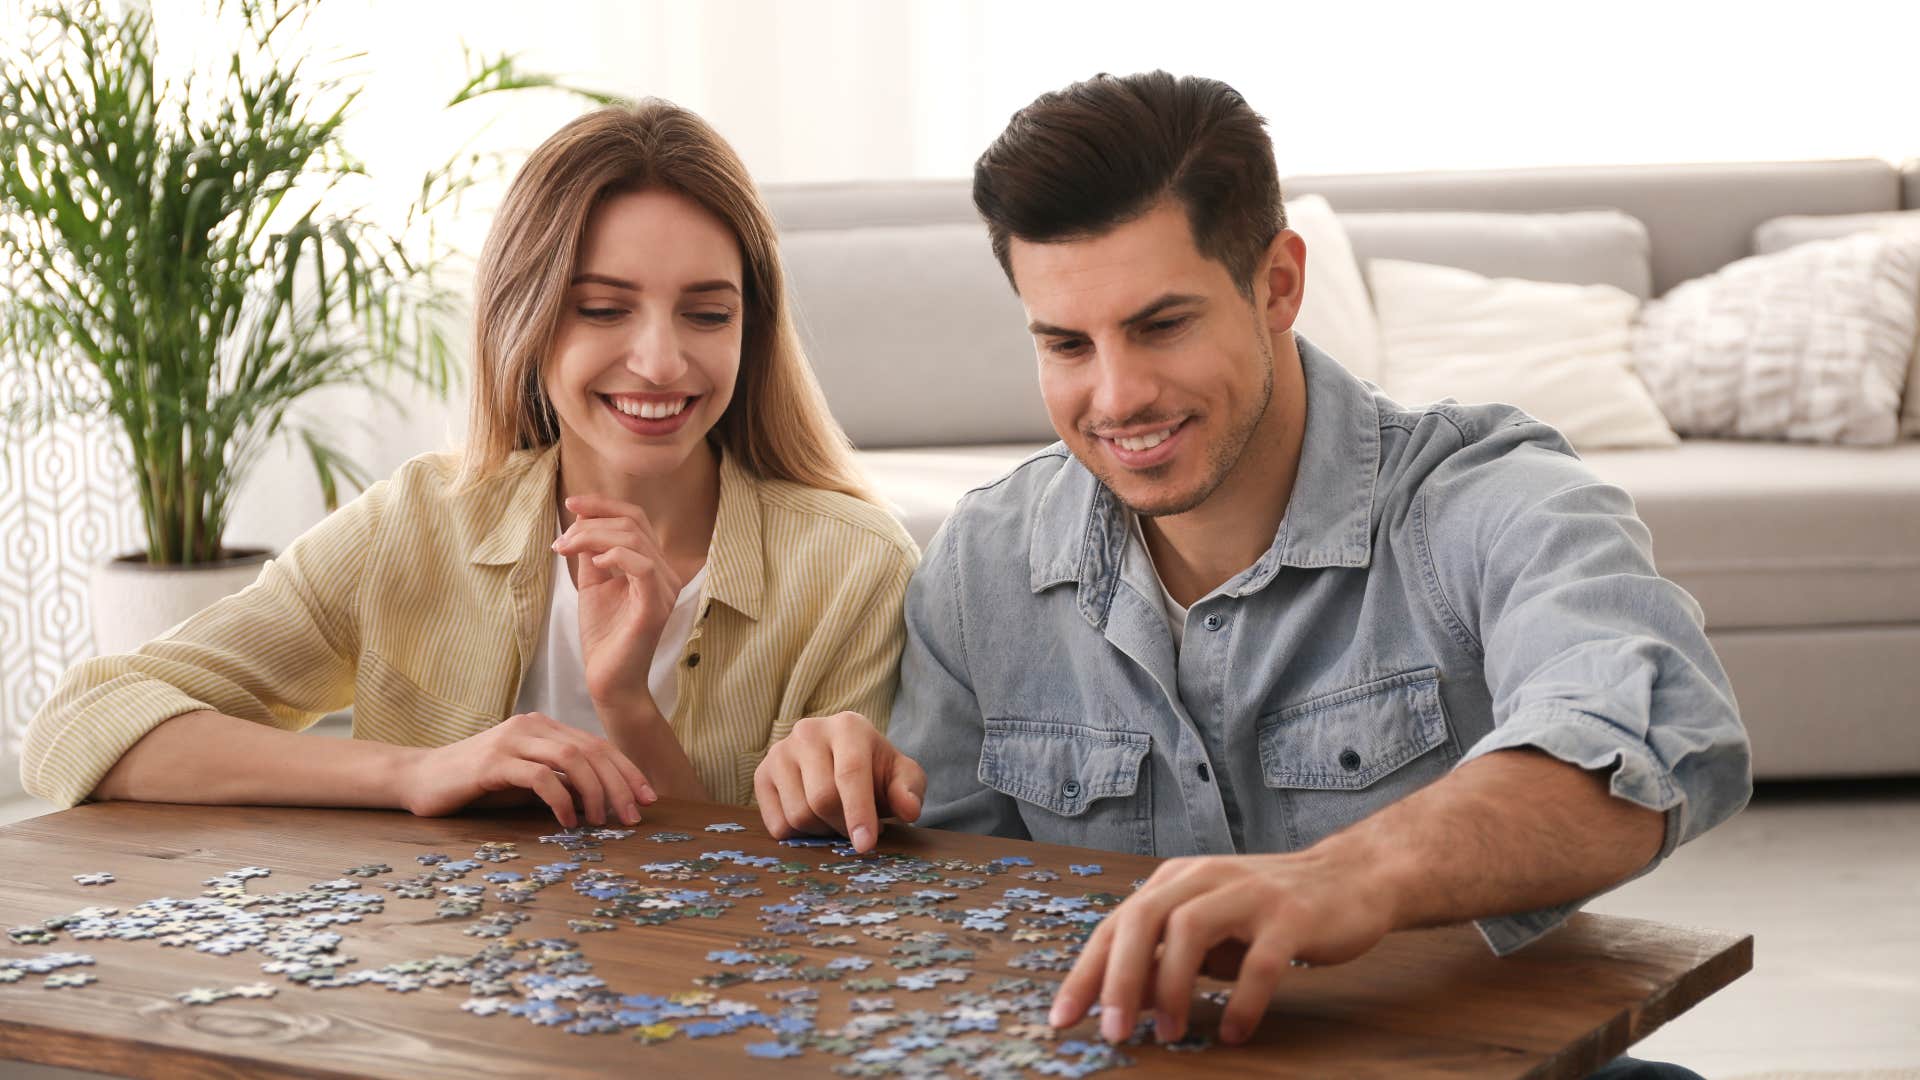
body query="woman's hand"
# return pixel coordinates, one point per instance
(627, 589)
(528, 753)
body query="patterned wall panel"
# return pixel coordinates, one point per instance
(66, 502)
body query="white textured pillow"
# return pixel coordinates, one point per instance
(1559, 352)
(1781, 233)
(1810, 344)
(1335, 314)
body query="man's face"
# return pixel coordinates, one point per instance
(1155, 370)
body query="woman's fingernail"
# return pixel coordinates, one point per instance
(630, 814)
(1057, 1016)
(1113, 1025)
(1163, 1026)
(1230, 1032)
(862, 836)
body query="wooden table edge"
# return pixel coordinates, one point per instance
(1619, 1035)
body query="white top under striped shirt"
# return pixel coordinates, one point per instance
(556, 681)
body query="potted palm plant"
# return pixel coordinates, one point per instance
(174, 256)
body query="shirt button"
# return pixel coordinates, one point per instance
(1206, 774)
(1350, 760)
(1213, 622)
(1071, 789)
(693, 660)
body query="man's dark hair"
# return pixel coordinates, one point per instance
(1100, 153)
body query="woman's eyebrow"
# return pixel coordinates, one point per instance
(604, 279)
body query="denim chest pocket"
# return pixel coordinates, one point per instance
(1075, 784)
(1340, 757)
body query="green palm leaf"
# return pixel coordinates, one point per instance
(175, 265)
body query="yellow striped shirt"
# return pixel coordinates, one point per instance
(421, 607)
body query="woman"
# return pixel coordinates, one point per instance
(652, 557)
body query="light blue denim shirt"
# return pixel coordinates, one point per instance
(1447, 581)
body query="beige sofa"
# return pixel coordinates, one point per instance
(1805, 558)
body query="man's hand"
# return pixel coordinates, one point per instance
(1241, 917)
(836, 774)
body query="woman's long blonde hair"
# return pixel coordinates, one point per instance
(777, 424)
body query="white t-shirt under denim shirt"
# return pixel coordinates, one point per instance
(556, 681)
(1175, 614)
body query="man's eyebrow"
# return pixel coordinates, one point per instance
(1145, 314)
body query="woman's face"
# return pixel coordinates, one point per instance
(648, 346)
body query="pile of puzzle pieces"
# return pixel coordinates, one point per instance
(918, 1010)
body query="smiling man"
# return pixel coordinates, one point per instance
(1357, 666)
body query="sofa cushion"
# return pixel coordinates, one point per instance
(1764, 535)
(1700, 217)
(1560, 352)
(1809, 344)
(1784, 232)
(922, 485)
(1336, 312)
(1781, 535)
(915, 335)
(1583, 247)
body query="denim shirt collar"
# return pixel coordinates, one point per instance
(1081, 531)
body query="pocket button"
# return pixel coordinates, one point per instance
(1350, 759)
(1071, 789)
(1214, 622)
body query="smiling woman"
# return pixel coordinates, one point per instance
(651, 559)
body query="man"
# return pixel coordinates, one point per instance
(1366, 667)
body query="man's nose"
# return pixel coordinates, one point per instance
(1126, 384)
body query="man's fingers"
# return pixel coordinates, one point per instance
(852, 765)
(1192, 930)
(1136, 934)
(820, 786)
(907, 791)
(1223, 960)
(1077, 990)
(767, 794)
(1260, 972)
(792, 795)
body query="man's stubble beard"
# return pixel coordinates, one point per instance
(1221, 458)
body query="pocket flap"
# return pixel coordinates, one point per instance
(1062, 767)
(1346, 740)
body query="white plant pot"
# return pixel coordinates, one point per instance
(133, 602)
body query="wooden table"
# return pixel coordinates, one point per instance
(1423, 1003)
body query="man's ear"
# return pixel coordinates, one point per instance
(1284, 271)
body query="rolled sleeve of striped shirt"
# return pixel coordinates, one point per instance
(280, 652)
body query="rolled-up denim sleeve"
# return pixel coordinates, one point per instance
(936, 718)
(1590, 655)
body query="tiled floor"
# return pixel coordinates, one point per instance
(1827, 879)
